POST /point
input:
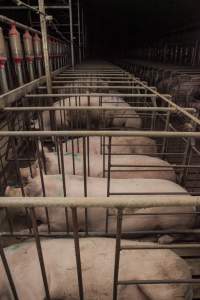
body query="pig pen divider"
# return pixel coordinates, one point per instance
(143, 100)
(184, 166)
(74, 203)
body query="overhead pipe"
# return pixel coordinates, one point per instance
(3, 59)
(29, 54)
(37, 45)
(16, 50)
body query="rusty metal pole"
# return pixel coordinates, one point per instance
(71, 33)
(45, 45)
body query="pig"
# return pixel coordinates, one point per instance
(92, 119)
(88, 82)
(97, 187)
(143, 166)
(184, 91)
(120, 145)
(61, 271)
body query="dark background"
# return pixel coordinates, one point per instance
(115, 26)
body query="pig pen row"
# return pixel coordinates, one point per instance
(181, 82)
(100, 189)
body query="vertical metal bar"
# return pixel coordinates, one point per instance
(73, 157)
(64, 181)
(43, 26)
(103, 152)
(88, 155)
(77, 252)
(79, 31)
(117, 253)
(71, 33)
(108, 179)
(29, 15)
(62, 168)
(40, 254)
(58, 154)
(85, 182)
(42, 183)
(8, 273)
(186, 158)
(165, 139)
(83, 36)
(19, 178)
(17, 166)
(10, 221)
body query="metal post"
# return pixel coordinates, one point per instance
(83, 36)
(79, 32)
(117, 252)
(29, 15)
(45, 45)
(8, 272)
(71, 33)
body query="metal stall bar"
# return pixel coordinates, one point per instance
(34, 7)
(107, 133)
(99, 202)
(94, 81)
(90, 95)
(94, 87)
(135, 108)
(83, 34)
(79, 32)
(45, 45)
(71, 34)
(19, 25)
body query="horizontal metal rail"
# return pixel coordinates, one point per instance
(7, 20)
(135, 282)
(114, 108)
(33, 6)
(92, 95)
(86, 73)
(137, 201)
(84, 133)
(94, 81)
(95, 87)
(94, 76)
(160, 246)
(19, 92)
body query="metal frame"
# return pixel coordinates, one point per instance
(120, 204)
(133, 201)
